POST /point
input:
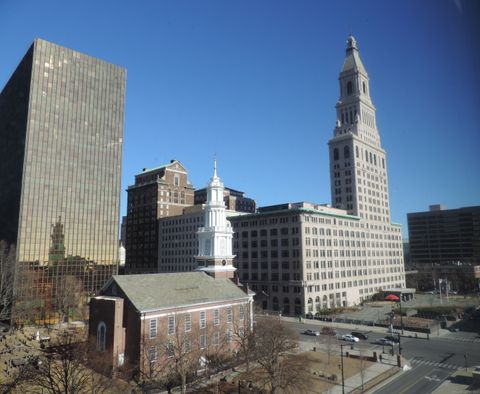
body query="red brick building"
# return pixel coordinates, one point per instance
(144, 324)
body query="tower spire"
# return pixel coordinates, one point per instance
(215, 238)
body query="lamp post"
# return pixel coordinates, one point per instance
(399, 344)
(401, 314)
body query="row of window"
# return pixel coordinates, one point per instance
(187, 320)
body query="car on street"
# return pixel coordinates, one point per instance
(392, 338)
(359, 335)
(312, 333)
(349, 338)
(385, 341)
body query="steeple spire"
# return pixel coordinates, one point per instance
(215, 238)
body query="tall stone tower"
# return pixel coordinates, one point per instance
(358, 168)
(215, 239)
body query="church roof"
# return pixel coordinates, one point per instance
(352, 57)
(151, 292)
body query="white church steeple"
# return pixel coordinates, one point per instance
(215, 238)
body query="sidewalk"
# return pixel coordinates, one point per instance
(355, 381)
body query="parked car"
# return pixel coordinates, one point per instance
(385, 341)
(328, 331)
(312, 333)
(359, 335)
(349, 338)
(392, 338)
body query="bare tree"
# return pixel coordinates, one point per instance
(173, 356)
(362, 365)
(273, 342)
(62, 369)
(243, 337)
(329, 341)
(7, 273)
(68, 295)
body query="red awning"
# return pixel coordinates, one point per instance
(392, 297)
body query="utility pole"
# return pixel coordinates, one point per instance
(341, 358)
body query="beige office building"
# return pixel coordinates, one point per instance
(304, 258)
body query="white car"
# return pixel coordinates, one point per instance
(350, 338)
(312, 333)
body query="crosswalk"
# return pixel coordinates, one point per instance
(419, 361)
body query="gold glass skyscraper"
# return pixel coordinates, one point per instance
(61, 121)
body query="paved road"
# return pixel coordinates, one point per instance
(432, 361)
(422, 379)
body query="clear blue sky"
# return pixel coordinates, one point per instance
(255, 82)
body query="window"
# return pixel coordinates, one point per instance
(152, 354)
(171, 325)
(216, 317)
(241, 312)
(188, 322)
(101, 336)
(349, 87)
(202, 341)
(229, 336)
(169, 350)
(335, 154)
(176, 180)
(229, 314)
(364, 87)
(153, 328)
(186, 345)
(203, 319)
(346, 152)
(216, 338)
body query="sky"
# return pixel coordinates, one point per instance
(254, 84)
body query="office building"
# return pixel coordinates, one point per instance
(157, 193)
(234, 200)
(445, 244)
(302, 257)
(178, 243)
(61, 126)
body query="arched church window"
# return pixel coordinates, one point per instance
(349, 87)
(346, 152)
(335, 154)
(101, 336)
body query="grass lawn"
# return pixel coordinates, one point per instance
(317, 368)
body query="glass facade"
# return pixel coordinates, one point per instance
(62, 206)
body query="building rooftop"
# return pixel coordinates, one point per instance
(151, 292)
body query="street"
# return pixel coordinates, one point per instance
(431, 361)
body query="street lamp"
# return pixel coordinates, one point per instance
(401, 314)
